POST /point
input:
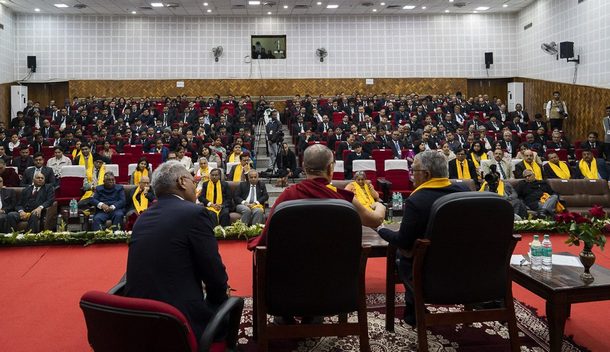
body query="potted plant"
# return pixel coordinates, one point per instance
(588, 230)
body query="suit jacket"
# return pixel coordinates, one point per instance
(243, 191)
(453, 171)
(514, 146)
(172, 253)
(526, 116)
(8, 199)
(232, 172)
(113, 196)
(507, 167)
(226, 198)
(548, 173)
(392, 145)
(45, 197)
(28, 176)
(129, 198)
(22, 164)
(10, 177)
(602, 170)
(520, 167)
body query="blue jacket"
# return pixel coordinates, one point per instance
(114, 196)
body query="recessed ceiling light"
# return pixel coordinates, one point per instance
(382, 4)
(156, 4)
(475, 11)
(408, 7)
(205, 4)
(269, 13)
(61, 6)
(2, 1)
(285, 6)
(423, 7)
(36, 9)
(254, 3)
(374, 10)
(332, 6)
(446, 11)
(505, 5)
(133, 12)
(209, 10)
(450, 0)
(482, 8)
(319, 3)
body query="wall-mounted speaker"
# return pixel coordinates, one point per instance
(566, 50)
(32, 63)
(489, 59)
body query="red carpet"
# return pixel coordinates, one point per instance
(41, 287)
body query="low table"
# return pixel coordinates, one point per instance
(560, 288)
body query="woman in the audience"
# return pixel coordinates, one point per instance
(202, 174)
(142, 169)
(107, 151)
(14, 143)
(447, 152)
(76, 151)
(477, 153)
(210, 156)
(236, 152)
(363, 190)
(286, 166)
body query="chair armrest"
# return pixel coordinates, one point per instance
(386, 187)
(50, 217)
(230, 310)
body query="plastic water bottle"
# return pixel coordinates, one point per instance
(399, 197)
(547, 254)
(73, 208)
(535, 251)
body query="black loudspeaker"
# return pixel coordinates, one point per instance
(489, 59)
(566, 50)
(32, 63)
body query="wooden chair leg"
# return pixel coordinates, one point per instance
(343, 318)
(422, 335)
(364, 330)
(513, 331)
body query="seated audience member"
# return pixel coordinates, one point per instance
(218, 148)
(504, 168)
(77, 150)
(364, 191)
(538, 195)
(7, 200)
(319, 165)
(109, 200)
(28, 175)
(356, 154)
(8, 174)
(187, 161)
(142, 169)
(173, 254)
(592, 144)
(215, 198)
(7, 158)
(237, 152)
(477, 153)
(494, 184)
(556, 168)
(202, 174)
(107, 152)
(528, 163)
(212, 156)
(461, 168)
(446, 152)
(160, 149)
(171, 156)
(431, 181)
(590, 167)
(94, 177)
(14, 142)
(286, 166)
(250, 198)
(58, 161)
(522, 148)
(138, 200)
(23, 161)
(84, 157)
(239, 172)
(35, 198)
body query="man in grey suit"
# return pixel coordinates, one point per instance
(504, 168)
(250, 198)
(28, 175)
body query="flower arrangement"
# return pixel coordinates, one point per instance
(588, 230)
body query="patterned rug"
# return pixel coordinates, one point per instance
(479, 337)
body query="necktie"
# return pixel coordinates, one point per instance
(215, 194)
(502, 173)
(252, 195)
(462, 167)
(34, 192)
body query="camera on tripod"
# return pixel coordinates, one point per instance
(493, 178)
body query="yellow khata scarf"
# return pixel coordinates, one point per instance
(329, 186)
(475, 161)
(76, 152)
(209, 195)
(558, 207)
(239, 170)
(363, 194)
(562, 171)
(535, 168)
(589, 172)
(88, 167)
(140, 201)
(500, 187)
(138, 174)
(100, 179)
(233, 158)
(438, 182)
(462, 169)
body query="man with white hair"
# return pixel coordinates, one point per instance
(34, 200)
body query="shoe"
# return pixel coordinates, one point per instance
(312, 320)
(277, 320)
(409, 315)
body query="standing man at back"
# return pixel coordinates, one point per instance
(556, 112)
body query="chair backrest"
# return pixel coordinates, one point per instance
(339, 170)
(396, 164)
(73, 171)
(380, 156)
(131, 168)
(230, 166)
(369, 168)
(112, 167)
(467, 260)
(212, 165)
(116, 323)
(313, 270)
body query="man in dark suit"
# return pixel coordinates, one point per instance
(219, 201)
(592, 143)
(34, 200)
(528, 163)
(356, 154)
(28, 175)
(138, 199)
(396, 145)
(523, 116)
(23, 161)
(7, 198)
(510, 143)
(109, 200)
(585, 168)
(467, 170)
(173, 253)
(8, 174)
(250, 198)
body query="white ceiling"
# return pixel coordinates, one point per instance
(276, 7)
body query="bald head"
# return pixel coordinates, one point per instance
(316, 160)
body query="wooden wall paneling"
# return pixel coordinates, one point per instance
(45, 92)
(5, 103)
(492, 87)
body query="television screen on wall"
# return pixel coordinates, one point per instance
(268, 47)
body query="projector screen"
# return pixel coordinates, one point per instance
(268, 46)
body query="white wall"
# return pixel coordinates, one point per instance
(7, 45)
(586, 24)
(121, 47)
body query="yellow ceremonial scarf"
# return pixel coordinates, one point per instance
(331, 187)
(76, 152)
(88, 166)
(475, 161)
(140, 203)
(209, 195)
(204, 175)
(363, 194)
(558, 207)
(500, 187)
(239, 170)
(562, 171)
(463, 170)
(137, 175)
(587, 171)
(438, 182)
(233, 158)
(535, 168)
(100, 179)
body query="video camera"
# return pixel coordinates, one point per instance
(493, 179)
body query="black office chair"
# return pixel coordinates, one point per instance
(313, 265)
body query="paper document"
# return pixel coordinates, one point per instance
(566, 260)
(518, 259)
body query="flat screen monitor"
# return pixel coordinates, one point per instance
(268, 47)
